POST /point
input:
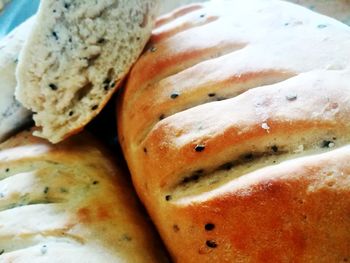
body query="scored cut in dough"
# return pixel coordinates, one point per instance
(235, 127)
(76, 57)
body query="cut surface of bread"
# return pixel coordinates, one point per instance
(69, 203)
(12, 115)
(235, 126)
(75, 58)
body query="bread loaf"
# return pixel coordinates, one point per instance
(76, 57)
(235, 126)
(12, 115)
(69, 203)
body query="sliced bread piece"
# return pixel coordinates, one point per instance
(12, 114)
(75, 58)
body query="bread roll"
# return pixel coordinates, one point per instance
(12, 115)
(235, 126)
(77, 55)
(69, 203)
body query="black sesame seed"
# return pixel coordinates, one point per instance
(138, 38)
(112, 84)
(55, 35)
(53, 86)
(145, 150)
(202, 15)
(54, 10)
(94, 107)
(101, 40)
(176, 228)
(291, 97)
(186, 180)
(70, 40)
(209, 227)
(211, 243)
(199, 148)
(46, 190)
(161, 117)
(194, 177)
(43, 249)
(71, 113)
(168, 197)
(174, 95)
(226, 166)
(327, 144)
(66, 5)
(274, 148)
(286, 24)
(322, 26)
(248, 156)
(2, 251)
(211, 94)
(106, 81)
(95, 182)
(7, 170)
(126, 237)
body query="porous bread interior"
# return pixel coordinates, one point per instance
(75, 58)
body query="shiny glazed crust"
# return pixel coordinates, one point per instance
(235, 126)
(69, 203)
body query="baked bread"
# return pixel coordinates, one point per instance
(69, 203)
(235, 126)
(75, 58)
(12, 115)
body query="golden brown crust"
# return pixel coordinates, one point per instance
(232, 121)
(69, 202)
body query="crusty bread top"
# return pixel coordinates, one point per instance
(76, 57)
(206, 55)
(69, 203)
(228, 96)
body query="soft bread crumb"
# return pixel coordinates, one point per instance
(76, 57)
